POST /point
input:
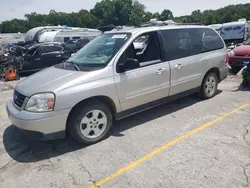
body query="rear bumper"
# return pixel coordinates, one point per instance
(47, 126)
(237, 61)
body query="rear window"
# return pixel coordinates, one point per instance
(211, 40)
(181, 43)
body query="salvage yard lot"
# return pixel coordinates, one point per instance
(216, 154)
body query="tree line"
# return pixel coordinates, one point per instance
(122, 12)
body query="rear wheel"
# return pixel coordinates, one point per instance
(209, 86)
(90, 122)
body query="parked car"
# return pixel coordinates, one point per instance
(239, 55)
(107, 80)
(40, 56)
(76, 44)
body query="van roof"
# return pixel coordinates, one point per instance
(156, 28)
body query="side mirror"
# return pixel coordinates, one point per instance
(129, 64)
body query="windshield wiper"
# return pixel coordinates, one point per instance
(75, 65)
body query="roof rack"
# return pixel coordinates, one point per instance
(188, 24)
(155, 22)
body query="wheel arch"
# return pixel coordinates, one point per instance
(213, 70)
(104, 99)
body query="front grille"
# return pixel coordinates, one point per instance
(238, 62)
(18, 99)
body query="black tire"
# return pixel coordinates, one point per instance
(17, 77)
(235, 70)
(203, 93)
(74, 121)
(245, 83)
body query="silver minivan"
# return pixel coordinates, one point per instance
(118, 74)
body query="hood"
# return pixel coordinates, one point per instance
(242, 50)
(51, 80)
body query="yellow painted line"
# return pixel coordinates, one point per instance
(164, 147)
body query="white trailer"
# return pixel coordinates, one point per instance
(238, 31)
(64, 35)
(217, 27)
(33, 35)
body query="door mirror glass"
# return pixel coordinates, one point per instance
(129, 64)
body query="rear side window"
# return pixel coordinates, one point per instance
(211, 40)
(57, 48)
(180, 43)
(50, 48)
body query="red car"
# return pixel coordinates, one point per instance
(239, 55)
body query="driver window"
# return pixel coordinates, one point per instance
(33, 51)
(145, 49)
(37, 52)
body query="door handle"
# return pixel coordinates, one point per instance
(179, 66)
(160, 71)
(37, 59)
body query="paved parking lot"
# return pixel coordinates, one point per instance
(187, 143)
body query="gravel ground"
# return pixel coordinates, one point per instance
(218, 156)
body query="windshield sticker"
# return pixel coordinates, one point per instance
(119, 36)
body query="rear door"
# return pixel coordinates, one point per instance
(183, 48)
(32, 60)
(147, 82)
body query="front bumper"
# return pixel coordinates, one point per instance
(51, 125)
(237, 61)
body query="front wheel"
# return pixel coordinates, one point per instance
(90, 122)
(209, 86)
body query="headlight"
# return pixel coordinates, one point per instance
(231, 53)
(41, 102)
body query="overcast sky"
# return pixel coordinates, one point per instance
(10, 9)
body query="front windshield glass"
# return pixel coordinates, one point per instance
(99, 51)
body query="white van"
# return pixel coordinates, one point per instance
(109, 79)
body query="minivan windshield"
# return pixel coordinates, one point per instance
(99, 51)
